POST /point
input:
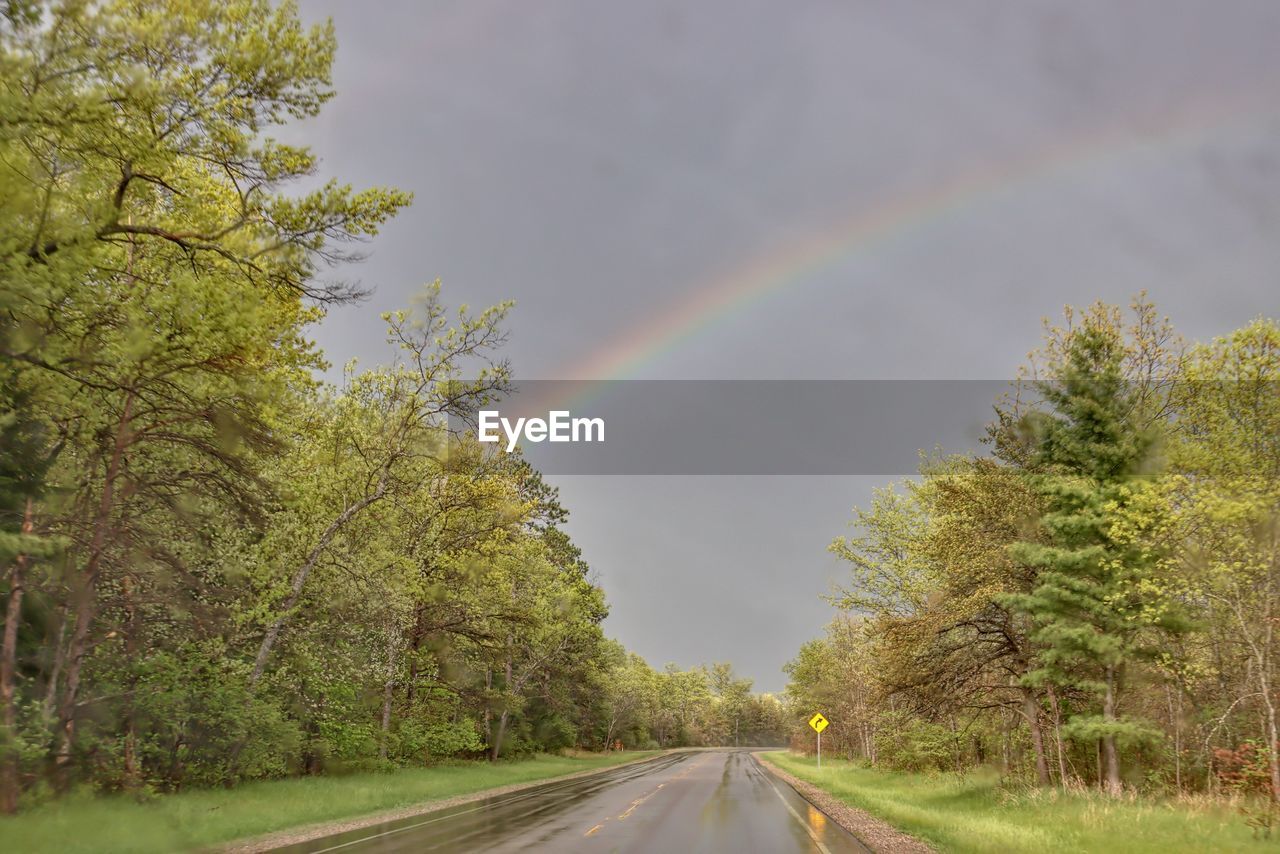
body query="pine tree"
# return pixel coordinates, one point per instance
(1089, 617)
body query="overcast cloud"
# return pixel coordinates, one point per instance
(598, 162)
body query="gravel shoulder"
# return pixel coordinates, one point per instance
(872, 832)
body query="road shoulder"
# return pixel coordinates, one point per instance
(876, 834)
(308, 832)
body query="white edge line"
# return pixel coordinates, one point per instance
(807, 828)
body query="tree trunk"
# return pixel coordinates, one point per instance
(488, 710)
(608, 734)
(1007, 726)
(132, 772)
(9, 782)
(300, 578)
(1057, 736)
(415, 647)
(1175, 722)
(1273, 731)
(55, 670)
(496, 747)
(388, 693)
(295, 595)
(86, 594)
(1031, 711)
(1111, 759)
(1273, 739)
(1261, 655)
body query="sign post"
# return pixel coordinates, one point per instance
(818, 723)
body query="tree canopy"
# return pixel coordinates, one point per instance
(1092, 600)
(214, 565)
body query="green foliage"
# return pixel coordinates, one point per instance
(201, 819)
(217, 568)
(911, 744)
(1090, 600)
(976, 813)
(1095, 602)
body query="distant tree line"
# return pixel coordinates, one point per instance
(1093, 601)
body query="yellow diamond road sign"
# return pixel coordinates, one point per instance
(818, 722)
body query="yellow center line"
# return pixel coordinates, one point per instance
(640, 800)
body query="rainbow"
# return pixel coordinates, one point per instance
(740, 288)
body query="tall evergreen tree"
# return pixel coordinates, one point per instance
(1088, 606)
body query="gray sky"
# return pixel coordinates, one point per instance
(605, 163)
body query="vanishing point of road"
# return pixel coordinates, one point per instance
(704, 801)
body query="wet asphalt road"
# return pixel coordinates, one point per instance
(712, 801)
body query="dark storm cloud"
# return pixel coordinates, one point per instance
(597, 161)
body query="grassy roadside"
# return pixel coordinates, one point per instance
(973, 814)
(210, 817)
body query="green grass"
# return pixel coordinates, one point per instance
(209, 817)
(974, 814)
